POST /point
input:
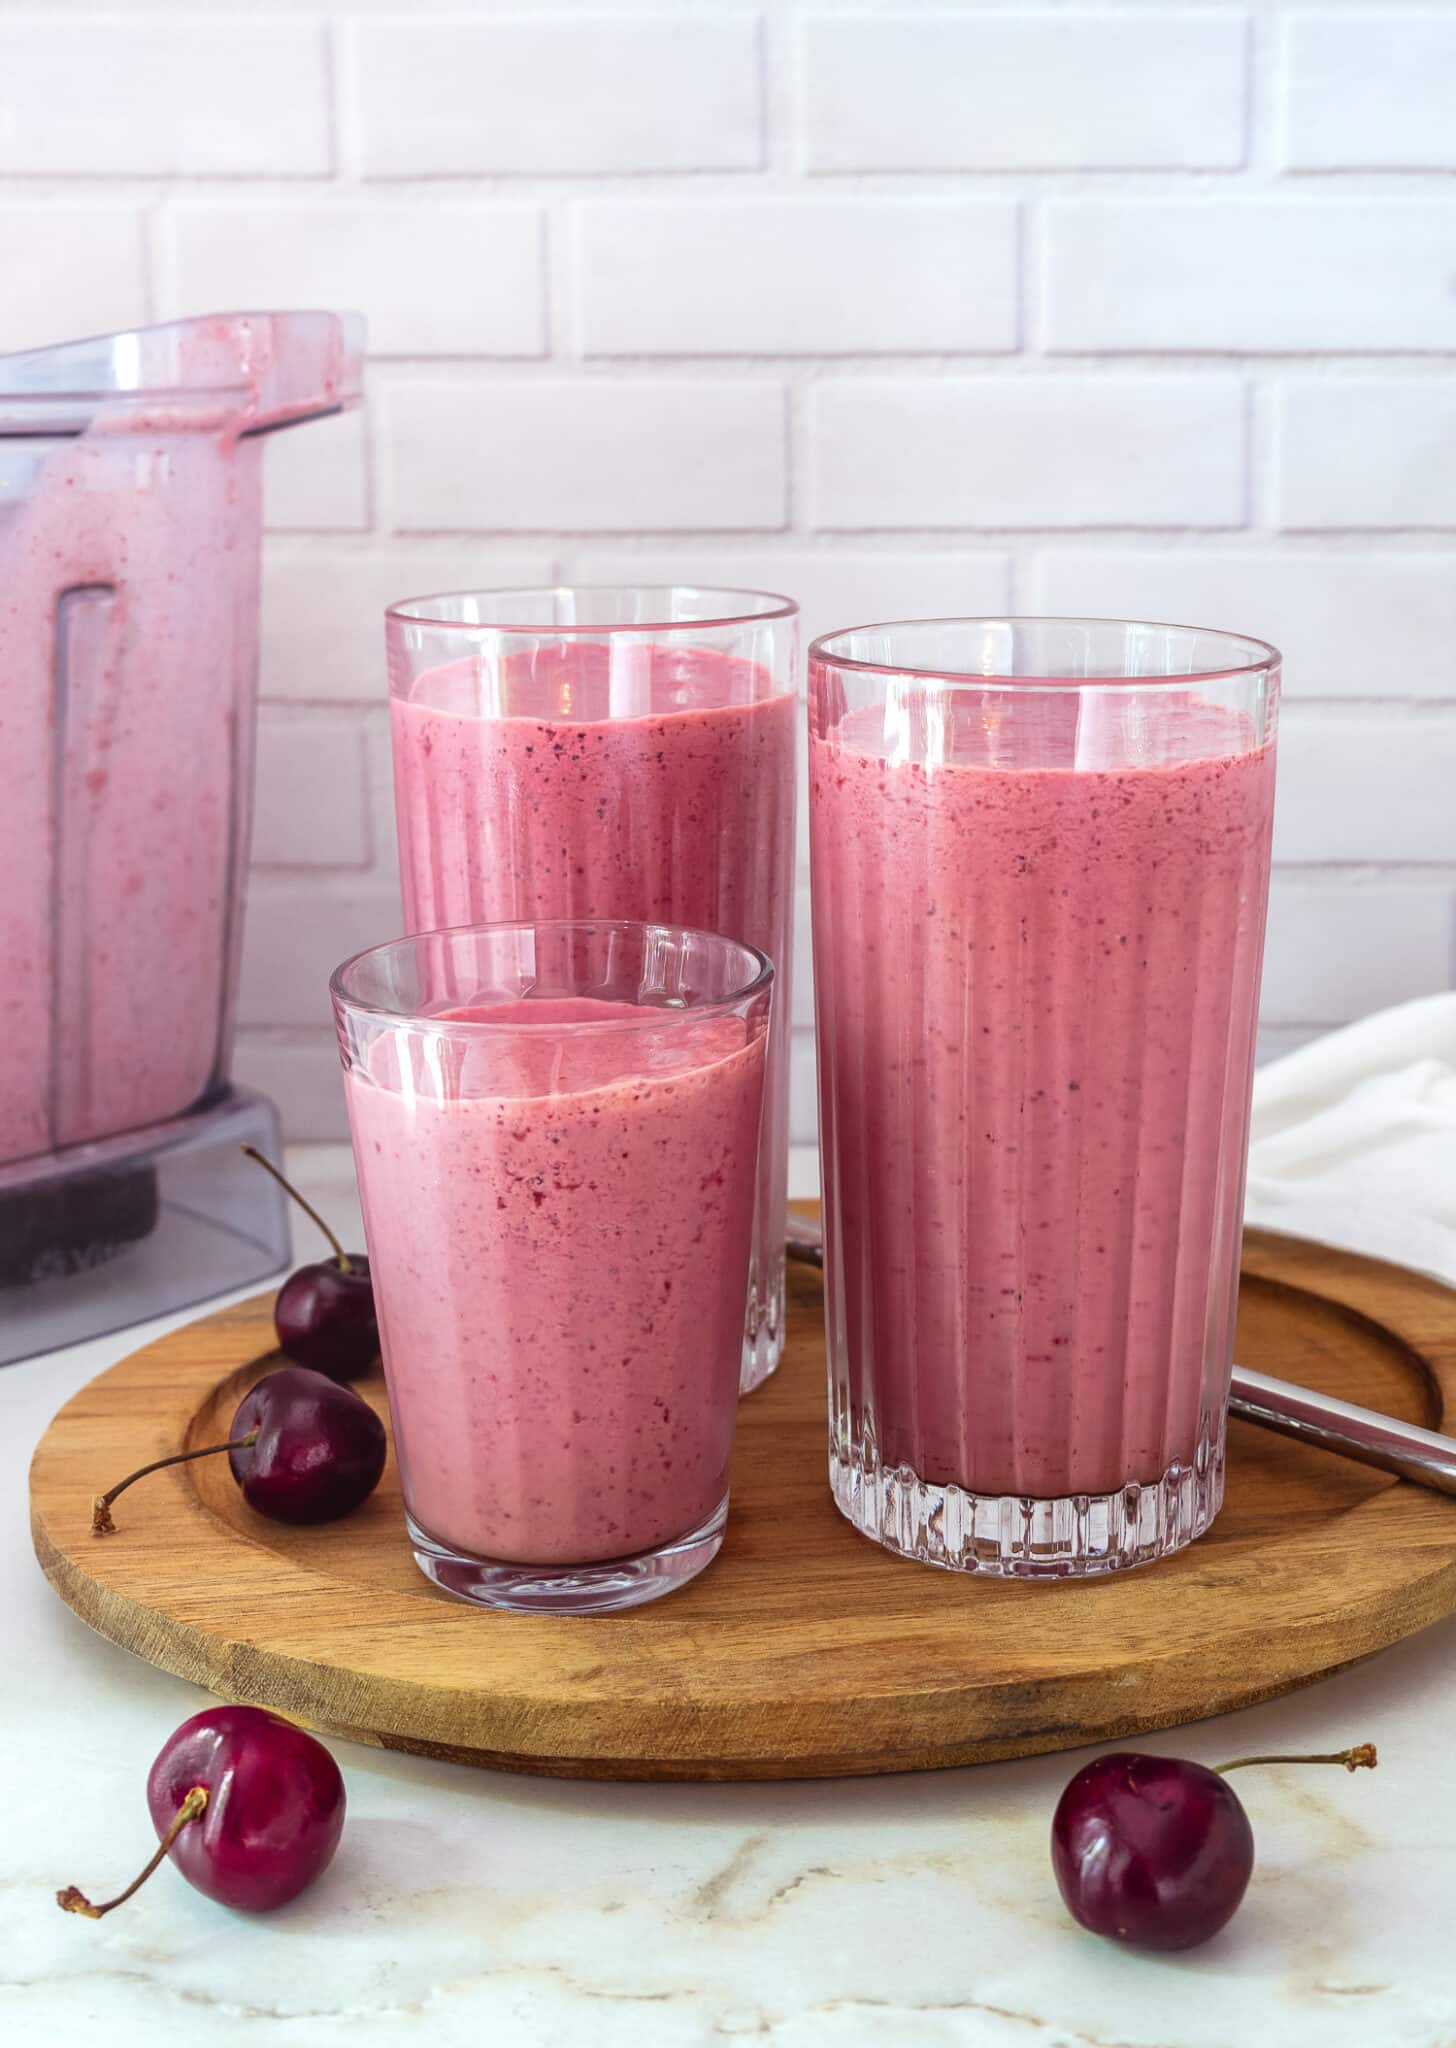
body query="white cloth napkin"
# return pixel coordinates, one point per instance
(1354, 1138)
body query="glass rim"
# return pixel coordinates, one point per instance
(761, 980)
(733, 611)
(1268, 656)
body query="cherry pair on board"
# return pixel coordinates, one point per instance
(303, 1447)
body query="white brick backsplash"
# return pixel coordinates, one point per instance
(1374, 87)
(1023, 89)
(1349, 625)
(903, 307)
(1338, 949)
(164, 96)
(300, 1072)
(797, 276)
(443, 279)
(1377, 783)
(1030, 451)
(1365, 452)
(831, 589)
(1252, 274)
(323, 609)
(315, 476)
(310, 805)
(596, 92)
(590, 454)
(69, 271)
(294, 938)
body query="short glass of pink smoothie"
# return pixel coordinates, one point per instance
(1040, 867)
(613, 752)
(556, 1130)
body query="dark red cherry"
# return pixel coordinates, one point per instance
(325, 1318)
(1151, 1851)
(303, 1448)
(324, 1313)
(1155, 1851)
(247, 1806)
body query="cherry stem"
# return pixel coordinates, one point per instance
(72, 1901)
(101, 1522)
(308, 1209)
(1360, 1758)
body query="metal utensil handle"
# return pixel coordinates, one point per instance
(1353, 1432)
(1334, 1425)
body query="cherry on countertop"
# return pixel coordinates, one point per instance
(1157, 1852)
(249, 1807)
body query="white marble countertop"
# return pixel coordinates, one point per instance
(470, 1908)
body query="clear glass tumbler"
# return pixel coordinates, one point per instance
(610, 753)
(1040, 868)
(555, 1129)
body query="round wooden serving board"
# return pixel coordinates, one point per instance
(805, 1650)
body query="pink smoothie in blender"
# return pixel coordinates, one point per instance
(129, 543)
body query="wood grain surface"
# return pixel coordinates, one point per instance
(805, 1650)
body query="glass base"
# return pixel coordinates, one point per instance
(763, 1333)
(100, 1236)
(604, 1588)
(1078, 1536)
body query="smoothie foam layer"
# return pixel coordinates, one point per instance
(558, 1208)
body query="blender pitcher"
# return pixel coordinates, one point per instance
(130, 530)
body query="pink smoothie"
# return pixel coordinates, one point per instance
(1037, 989)
(559, 1218)
(130, 529)
(597, 780)
(128, 605)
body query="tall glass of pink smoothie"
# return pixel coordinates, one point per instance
(620, 753)
(1040, 866)
(555, 1128)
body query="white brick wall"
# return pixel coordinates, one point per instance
(1367, 451)
(1260, 275)
(318, 481)
(831, 277)
(1375, 87)
(1028, 89)
(904, 306)
(552, 90)
(463, 279)
(590, 453)
(68, 268)
(1027, 452)
(164, 95)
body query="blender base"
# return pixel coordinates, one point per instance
(101, 1236)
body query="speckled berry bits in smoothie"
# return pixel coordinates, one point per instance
(558, 1197)
(1039, 917)
(611, 769)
